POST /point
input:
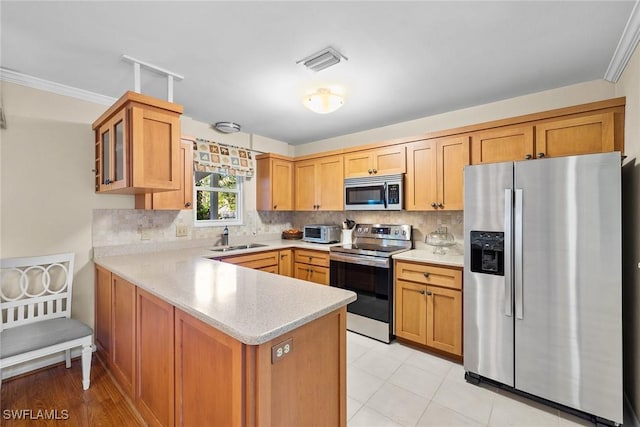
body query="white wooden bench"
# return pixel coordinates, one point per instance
(35, 309)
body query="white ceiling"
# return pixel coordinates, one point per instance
(406, 59)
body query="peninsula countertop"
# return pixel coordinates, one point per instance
(249, 305)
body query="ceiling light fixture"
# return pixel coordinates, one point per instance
(323, 101)
(227, 127)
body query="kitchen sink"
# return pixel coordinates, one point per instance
(238, 247)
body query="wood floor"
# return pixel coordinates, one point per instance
(57, 393)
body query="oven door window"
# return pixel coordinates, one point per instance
(372, 284)
(366, 195)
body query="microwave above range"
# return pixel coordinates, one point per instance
(373, 193)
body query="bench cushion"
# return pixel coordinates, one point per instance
(45, 333)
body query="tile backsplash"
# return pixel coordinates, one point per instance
(113, 227)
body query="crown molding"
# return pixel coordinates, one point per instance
(626, 46)
(16, 77)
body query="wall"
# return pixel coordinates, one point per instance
(629, 86)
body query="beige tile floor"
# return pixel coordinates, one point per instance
(395, 385)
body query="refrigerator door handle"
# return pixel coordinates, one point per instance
(517, 254)
(508, 263)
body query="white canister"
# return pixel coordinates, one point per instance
(347, 237)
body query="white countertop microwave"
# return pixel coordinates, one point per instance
(373, 193)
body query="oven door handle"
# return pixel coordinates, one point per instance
(362, 260)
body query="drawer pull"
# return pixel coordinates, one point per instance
(429, 293)
(426, 274)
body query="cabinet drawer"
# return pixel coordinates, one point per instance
(258, 260)
(312, 257)
(429, 274)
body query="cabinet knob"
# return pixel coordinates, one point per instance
(310, 258)
(107, 181)
(440, 206)
(422, 292)
(528, 157)
(187, 205)
(540, 155)
(375, 171)
(426, 274)
(434, 206)
(370, 171)
(429, 293)
(275, 206)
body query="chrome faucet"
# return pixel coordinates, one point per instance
(225, 237)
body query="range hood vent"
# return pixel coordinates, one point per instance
(323, 59)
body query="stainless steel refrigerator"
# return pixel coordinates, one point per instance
(542, 279)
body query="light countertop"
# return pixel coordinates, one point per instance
(424, 253)
(250, 305)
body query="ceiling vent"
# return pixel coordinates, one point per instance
(323, 59)
(227, 127)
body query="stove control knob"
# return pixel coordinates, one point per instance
(404, 232)
(359, 229)
(395, 232)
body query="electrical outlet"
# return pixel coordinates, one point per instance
(181, 230)
(279, 351)
(145, 234)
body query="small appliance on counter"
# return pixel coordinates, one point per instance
(321, 233)
(440, 239)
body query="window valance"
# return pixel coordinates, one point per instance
(209, 156)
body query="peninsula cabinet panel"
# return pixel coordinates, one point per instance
(274, 183)
(103, 314)
(178, 199)
(579, 135)
(502, 145)
(444, 319)
(319, 184)
(209, 375)
(155, 359)
(381, 161)
(123, 344)
(307, 387)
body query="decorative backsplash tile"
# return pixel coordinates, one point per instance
(112, 227)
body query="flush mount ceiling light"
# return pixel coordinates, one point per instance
(227, 127)
(323, 101)
(323, 59)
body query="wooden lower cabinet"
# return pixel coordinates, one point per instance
(185, 372)
(428, 305)
(155, 359)
(102, 323)
(312, 266)
(285, 263)
(209, 375)
(123, 330)
(266, 261)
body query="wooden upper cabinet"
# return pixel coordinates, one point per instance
(579, 135)
(421, 186)
(435, 173)
(502, 145)
(274, 183)
(319, 184)
(381, 161)
(178, 199)
(137, 147)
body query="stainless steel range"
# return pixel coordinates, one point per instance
(365, 267)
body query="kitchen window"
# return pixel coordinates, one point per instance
(218, 199)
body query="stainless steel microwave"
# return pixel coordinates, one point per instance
(320, 233)
(374, 193)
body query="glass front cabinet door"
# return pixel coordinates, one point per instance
(111, 153)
